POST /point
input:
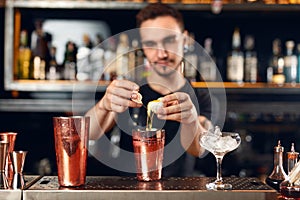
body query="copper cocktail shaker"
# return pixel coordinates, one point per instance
(71, 136)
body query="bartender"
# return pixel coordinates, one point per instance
(186, 112)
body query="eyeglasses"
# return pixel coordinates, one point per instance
(169, 43)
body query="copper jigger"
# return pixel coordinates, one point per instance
(71, 135)
(3, 159)
(18, 160)
(9, 137)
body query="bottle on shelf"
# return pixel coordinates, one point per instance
(235, 59)
(109, 59)
(278, 174)
(53, 72)
(84, 59)
(191, 59)
(70, 61)
(290, 63)
(207, 62)
(276, 64)
(292, 158)
(136, 61)
(298, 63)
(97, 60)
(122, 57)
(40, 50)
(250, 60)
(24, 57)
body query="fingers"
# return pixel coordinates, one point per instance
(118, 96)
(178, 107)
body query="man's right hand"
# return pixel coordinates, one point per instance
(118, 96)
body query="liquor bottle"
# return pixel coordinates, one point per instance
(191, 59)
(70, 61)
(136, 61)
(292, 158)
(235, 59)
(131, 59)
(40, 50)
(277, 63)
(96, 59)
(53, 72)
(278, 174)
(122, 57)
(290, 63)
(109, 59)
(24, 57)
(250, 60)
(207, 62)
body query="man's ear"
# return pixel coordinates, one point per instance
(186, 37)
(185, 41)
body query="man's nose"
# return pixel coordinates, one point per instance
(161, 51)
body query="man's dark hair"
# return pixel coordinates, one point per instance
(155, 10)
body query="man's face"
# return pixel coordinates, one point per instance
(162, 42)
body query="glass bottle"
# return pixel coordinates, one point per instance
(290, 63)
(53, 73)
(191, 59)
(277, 63)
(250, 60)
(235, 59)
(70, 61)
(122, 57)
(298, 65)
(278, 174)
(208, 68)
(292, 158)
(24, 57)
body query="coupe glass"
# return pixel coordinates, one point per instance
(219, 143)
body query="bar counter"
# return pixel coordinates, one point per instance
(128, 188)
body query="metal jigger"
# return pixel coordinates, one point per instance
(18, 160)
(3, 159)
(9, 137)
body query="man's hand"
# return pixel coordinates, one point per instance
(120, 95)
(178, 107)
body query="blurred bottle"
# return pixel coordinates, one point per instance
(136, 61)
(24, 57)
(292, 158)
(53, 72)
(250, 60)
(276, 64)
(40, 50)
(191, 59)
(278, 174)
(122, 57)
(97, 60)
(235, 59)
(70, 62)
(109, 59)
(290, 63)
(207, 62)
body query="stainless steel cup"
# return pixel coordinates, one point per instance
(148, 150)
(71, 136)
